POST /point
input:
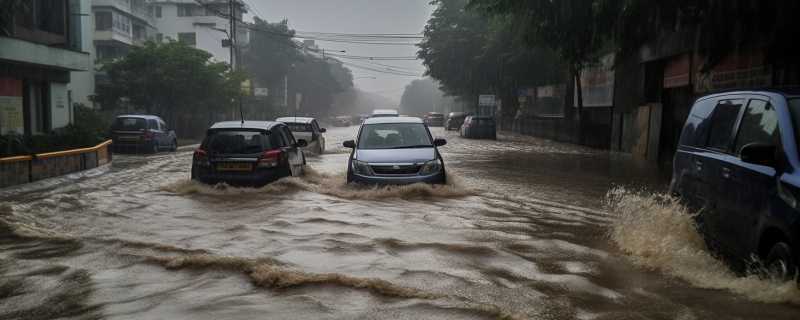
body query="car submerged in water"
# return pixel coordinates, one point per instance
(738, 165)
(395, 150)
(142, 133)
(307, 129)
(249, 153)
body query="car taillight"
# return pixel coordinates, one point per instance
(270, 159)
(201, 157)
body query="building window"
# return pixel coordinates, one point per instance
(122, 24)
(158, 11)
(189, 38)
(51, 16)
(102, 20)
(185, 10)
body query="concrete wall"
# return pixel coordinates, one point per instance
(25, 169)
(81, 85)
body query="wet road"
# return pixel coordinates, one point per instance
(527, 229)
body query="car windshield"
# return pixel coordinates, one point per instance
(236, 142)
(299, 127)
(394, 135)
(129, 123)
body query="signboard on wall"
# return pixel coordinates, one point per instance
(549, 101)
(59, 111)
(11, 117)
(739, 70)
(597, 84)
(676, 71)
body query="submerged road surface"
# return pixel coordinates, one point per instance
(526, 229)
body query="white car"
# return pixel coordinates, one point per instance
(307, 129)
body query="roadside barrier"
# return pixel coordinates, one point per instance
(24, 169)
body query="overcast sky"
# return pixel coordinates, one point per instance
(357, 16)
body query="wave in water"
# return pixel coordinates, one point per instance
(658, 233)
(269, 273)
(333, 185)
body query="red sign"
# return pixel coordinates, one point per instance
(676, 71)
(10, 87)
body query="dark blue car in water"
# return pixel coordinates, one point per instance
(737, 163)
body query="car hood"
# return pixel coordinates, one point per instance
(396, 155)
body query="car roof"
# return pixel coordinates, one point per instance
(393, 120)
(305, 120)
(789, 92)
(142, 116)
(385, 111)
(260, 125)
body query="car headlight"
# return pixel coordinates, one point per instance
(431, 167)
(362, 168)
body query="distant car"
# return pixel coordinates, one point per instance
(307, 129)
(737, 164)
(142, 133)
(395, 150)
(251, 153)
(434, 119)
(384, 113)
(342, 121)
(479, 127)
(455, 120)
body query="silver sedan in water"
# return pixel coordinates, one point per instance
(395, 150)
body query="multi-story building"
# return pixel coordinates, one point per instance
(202, 24)
(40, 44)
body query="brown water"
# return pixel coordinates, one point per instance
(526, 229)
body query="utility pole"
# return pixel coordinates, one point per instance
(234, 58)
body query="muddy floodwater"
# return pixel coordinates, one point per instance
(525, 229)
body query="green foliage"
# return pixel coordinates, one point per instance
(170, 79)
(421, 96)
(89, 129)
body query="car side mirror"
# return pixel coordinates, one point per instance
(301, 143)
(759, 153)
(323, 130)
(439, 142)
(349, 144)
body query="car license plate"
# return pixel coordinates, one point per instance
(234, 167)
(128, 138)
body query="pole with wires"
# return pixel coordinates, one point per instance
(234, 57)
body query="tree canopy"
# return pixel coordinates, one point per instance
(421, 96)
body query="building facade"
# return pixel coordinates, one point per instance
(41, 46)
(204, 26)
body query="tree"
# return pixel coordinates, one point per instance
(578, 30)
(170, 79)
(421, 96)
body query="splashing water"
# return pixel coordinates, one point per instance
(333, 185)
(658, 233)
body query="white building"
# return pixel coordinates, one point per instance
(202, 26)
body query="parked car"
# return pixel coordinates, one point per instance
(737, 159)
(455, 120)
(395, 150)
(479, 127)
(384, 113)
(307, 129)
(142, 133)
(248, 153)
(434, 119)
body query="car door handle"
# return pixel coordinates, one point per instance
(726, 173)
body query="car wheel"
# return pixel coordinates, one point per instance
(174, 146)
(155, 147)
(780, 263)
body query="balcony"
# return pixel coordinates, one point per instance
(21, 51)
(109, 35)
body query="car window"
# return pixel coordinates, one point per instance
(289, 138)
(722, 124)
(152, 124)
(163, 125)
(299, 127)
(759, 125)
(394, 135)
(794, 110)
(129, 123)
(236, 142)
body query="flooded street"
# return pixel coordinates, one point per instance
(525, 229)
